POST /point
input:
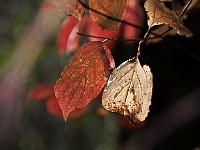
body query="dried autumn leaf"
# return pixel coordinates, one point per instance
(159, 14)
(70, 7)
(129, 91)
(105, 10)
(82, 80)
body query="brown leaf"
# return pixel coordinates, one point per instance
(82, 80)
(159, 14)
(129, 91)
(112, 8)
(70, 7)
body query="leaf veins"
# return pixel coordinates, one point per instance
(129, 91)
(107, 9)
(82, 80)
(159, 14)
(70, 7)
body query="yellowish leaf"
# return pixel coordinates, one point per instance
(158, 14)
(129, 91)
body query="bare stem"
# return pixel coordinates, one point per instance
(113, 39)
(145, 38)
(185, 8)
(160, 35)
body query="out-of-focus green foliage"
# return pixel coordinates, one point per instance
(14, 18)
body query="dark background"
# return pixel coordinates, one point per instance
(172, 124)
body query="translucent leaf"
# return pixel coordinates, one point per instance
(111, 8)
(68, 39)
(70, 7)
(159, 14)
(93, 29)
(65, 31)
(129, 91)
(82, 80)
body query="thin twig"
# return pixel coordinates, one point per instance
(110, 17)
(139, 45)
(113, 39)
(123, 21)
(185, 8)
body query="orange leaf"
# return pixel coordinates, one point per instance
(82, 80)
(105, 10)
(40, 92)
(159, 14)
(70, 7)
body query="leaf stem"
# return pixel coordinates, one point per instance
(160, 35)
(185, 8)
(145, 38)
(114, 39)
(170, 28)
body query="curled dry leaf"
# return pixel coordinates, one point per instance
(129, 91)
(105, 10)
(159, 14)
(70, 7)
(82, 80)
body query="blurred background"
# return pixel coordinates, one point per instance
(29, 57)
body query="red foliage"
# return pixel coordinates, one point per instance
(68, 39)
(82, 80)
(135, 15)
(53, 106)
(93, 29)
(67, 28)
(42, 92)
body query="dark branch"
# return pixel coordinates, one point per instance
(110, 17)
